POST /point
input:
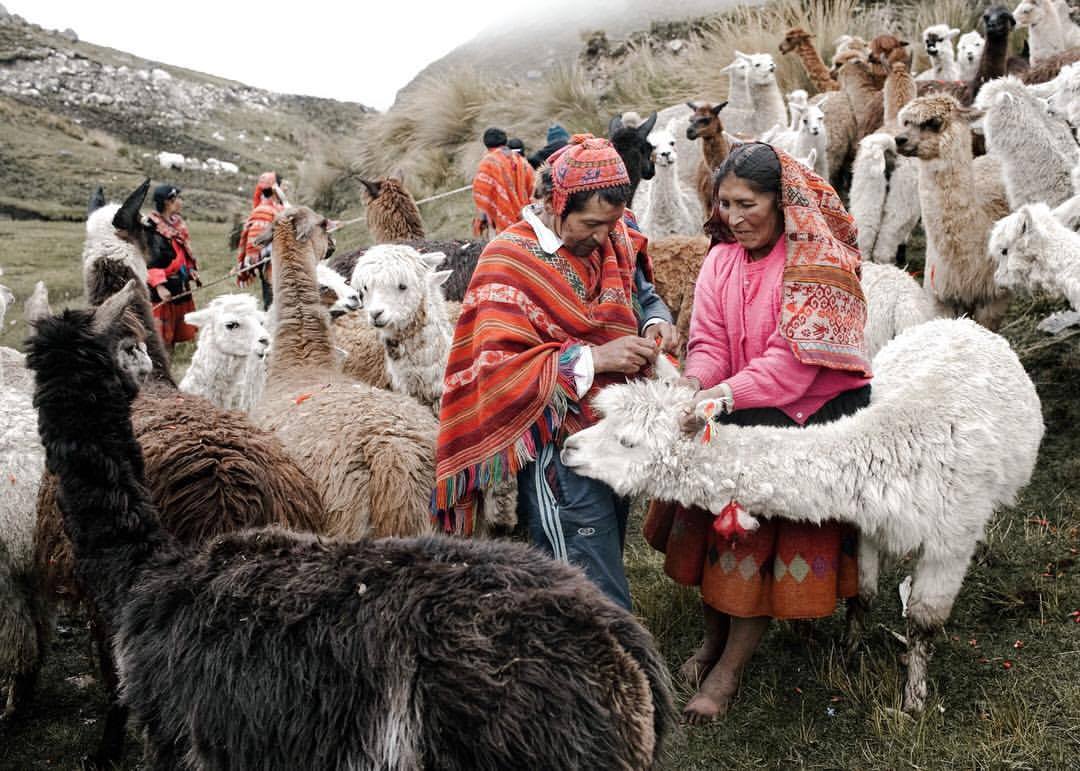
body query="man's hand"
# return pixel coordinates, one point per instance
(195, 278)
(668, 334)
(163, 293)
(626, 355)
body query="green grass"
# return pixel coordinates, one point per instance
(801, 705)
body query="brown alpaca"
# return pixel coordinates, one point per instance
(887, 48)
(899, 90)
(676, 263)
(392, 214)
(371, 453)
(863, 90)
(705, 124)
(799, 40)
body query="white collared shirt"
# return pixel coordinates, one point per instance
(551, 243)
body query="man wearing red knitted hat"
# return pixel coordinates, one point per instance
(560, 306)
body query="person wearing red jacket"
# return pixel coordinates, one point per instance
(266, 202)
(171, 268)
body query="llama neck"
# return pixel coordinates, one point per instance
(1048, 36)
(302, 333)
(739, 91)
(416, 355)
(90, 445)
(899, 90)
(815, 67)
(993, 64)
(715, 148)
(768, 105)
(401, 221)
(220, 379)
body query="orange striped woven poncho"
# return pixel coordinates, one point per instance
(502, 187)
(505, 393)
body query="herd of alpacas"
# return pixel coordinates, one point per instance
(258, 536)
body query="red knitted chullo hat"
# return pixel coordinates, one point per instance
(586, 163)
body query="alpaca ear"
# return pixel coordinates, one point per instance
(398, 175)
(692, 106)
(128, 216)
(646, 128)
(373, 188)
(304, 223)
(97, 200)
(107, 314)
(951, 34)
(716, 110)
(433, 259)
(741, 56)
(811, 159)
(614, 125)
(439, 277)
(198, 318)
(36, 306)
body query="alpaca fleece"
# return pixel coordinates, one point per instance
(375, 478)
(667, 209)
(461, 257)
(801, 42)
(676, 263)
(884, 197)
(952, 432)
(894, 302)
(1035, 250)
(401, 650)
(392, 214)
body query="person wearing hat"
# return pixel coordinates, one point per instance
(556, 139)
(266, 202)
(553, 314)
(502, 186)
(171, 268)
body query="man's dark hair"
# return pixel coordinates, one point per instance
(755, 163)
(614, 196)
(494, 137)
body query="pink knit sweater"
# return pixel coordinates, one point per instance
(735, 337)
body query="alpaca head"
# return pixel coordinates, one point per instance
(103, 348)
(232, 325)
(632, 145)
(795, 37)
(761, 69)
(738, 70)
(705, 121)
(300, 225)
(885, 49)
(335, 292)
(998, 22)
(663, 144)
(933, 126)
(937, 40)
(970, 47)
(1012, 245)
(1030, 12)
(637, 440)
(396, 282)
(813, 120)
(116, 246)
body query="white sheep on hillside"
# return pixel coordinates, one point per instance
(894, 302)
(229, 364)
(1037, 151)
(667, 210)
(951, 433)
(968, 54)
(938, 43)
(1034, 250)
(884, 197)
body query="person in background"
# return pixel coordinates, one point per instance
(557, 137)
(516, 145)
(503, 185)
(553, 314)
(171, 268)
(266, 202)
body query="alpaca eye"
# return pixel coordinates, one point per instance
(232, 324)
(626, 443)
(401, 287)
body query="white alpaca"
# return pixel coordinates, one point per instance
(765, 96)
(797, 102)
(1037, 152)
(739, 113)
(884, 198)
(229, 364)
(1050, 30)
(22, 462)
(1062, 95)
(951, 434)
(1068, 213)
(401, 295)
(968, 54)
(668, 211)
(811, 133)
(1034, 250)
(938, 42)
(343, 298)
(894, 302)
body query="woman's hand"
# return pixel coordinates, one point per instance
(626, 355)
(163, 293)
(667, 333)
(689, 382)
(689, 420)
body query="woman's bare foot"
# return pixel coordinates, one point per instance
(713, 698)
(695, 668)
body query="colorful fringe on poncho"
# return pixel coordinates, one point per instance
(509, 379)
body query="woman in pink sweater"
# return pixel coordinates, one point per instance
(777, 339)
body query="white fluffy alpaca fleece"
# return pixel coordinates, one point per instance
(810, 132)
(894, 302)
(884, 197)
(229, 364)
(667, 206)
(347, 299)
(1037, 152)
(1068, 213)
(1050, 29)
(739, 113)
(400, 292)
(1034, 250)
(951, 433)
(968, 54)
(102, 243)
(938, 44)
(765, 96)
